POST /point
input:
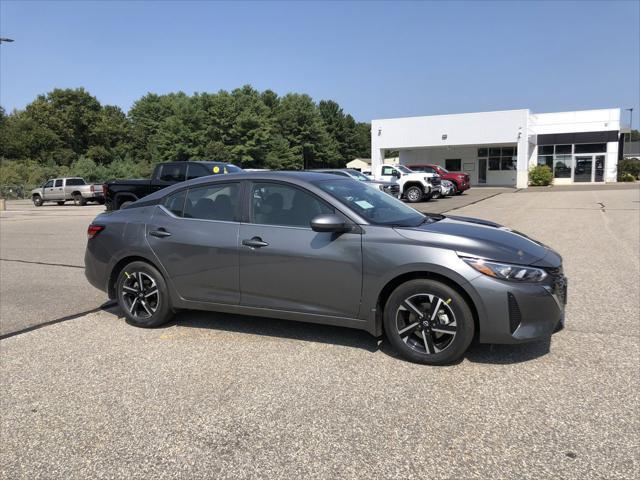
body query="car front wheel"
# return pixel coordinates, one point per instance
(414, 194)
(37, 200)
(428, 322)
(143, 295)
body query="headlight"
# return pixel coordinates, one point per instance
(505, 271)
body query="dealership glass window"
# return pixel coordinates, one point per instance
(545, 150)
(546, 160)
(562, 165)
(500, 158)
(564, 149)
(453, 164)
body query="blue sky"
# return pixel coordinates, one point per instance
(376, 59)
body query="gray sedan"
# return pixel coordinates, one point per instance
(319, 248)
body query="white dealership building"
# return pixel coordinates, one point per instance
(499, 148)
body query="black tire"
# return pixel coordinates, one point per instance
(422, 344)
(143, 309)
(60, 203)
(37, 200)
(413, 194)
(79, 200)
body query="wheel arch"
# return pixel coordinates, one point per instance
(398, 280)
(120, 264)
(76, 192)
(120, 198)
(412, 183)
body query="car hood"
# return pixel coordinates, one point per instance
(484, 239)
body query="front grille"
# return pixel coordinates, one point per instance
(515, 316)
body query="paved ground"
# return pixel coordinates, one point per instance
(223, 396)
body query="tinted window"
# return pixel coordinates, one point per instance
(591, 148)
(213, 202)
(175, 172)
(545, 150)
(175, 203)
(372, 204)
(75, 181)
(49, 184)
(197, 171)
(494, 163)
(58, 183)
(453, 164)
(278, 204)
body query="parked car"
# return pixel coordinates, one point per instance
(446, 188)
(392, 188)
(415, 187)
(324, 249)
(61, 190)
(120, 193)
(460, 180)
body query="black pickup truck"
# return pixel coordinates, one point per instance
(119, 193)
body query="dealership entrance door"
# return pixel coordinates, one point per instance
(589, 168)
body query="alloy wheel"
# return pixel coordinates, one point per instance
(426, 323)
(140, 295)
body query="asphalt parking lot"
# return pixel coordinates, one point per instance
(224, 396)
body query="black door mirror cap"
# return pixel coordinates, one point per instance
(330, 222)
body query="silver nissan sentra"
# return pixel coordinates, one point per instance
(318, 248)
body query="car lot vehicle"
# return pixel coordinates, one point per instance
(120, 193)
(392, 188)
(61, 190)
(318, 248)
(415, 187)
(460, 180)
(446, 188)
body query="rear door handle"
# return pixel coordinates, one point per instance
(255, 242)
(160, 233)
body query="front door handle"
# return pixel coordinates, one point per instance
(160, 233)
(255, 242)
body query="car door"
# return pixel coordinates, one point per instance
(387, 173)
(194, 234)
(47, 190)
(285, 265)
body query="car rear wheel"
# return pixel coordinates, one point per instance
(143, 295)
(60, 203)
(37, 200)
(428, 322)
(413, 194)
(79, 200)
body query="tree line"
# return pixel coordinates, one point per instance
(68, 132)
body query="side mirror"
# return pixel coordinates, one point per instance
(329, 222)
(396, 174)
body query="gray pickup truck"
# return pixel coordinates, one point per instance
(61, 190)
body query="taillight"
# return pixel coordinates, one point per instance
(104, 189)
(92, 188)
(94, 230)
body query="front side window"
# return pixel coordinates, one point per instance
(285, 205)
(212, 202)
(49, 184)
(404, 169)
(58, 183)
(175, 203)
(453, 164)
(173, 172)
(372, 204)
(387, 170)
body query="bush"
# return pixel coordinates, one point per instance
(540, 176)
(629, 166)
(626, 177)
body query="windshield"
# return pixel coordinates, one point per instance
(403, 169)
(444, 169)
(358, 176)
(372, 204)
(232, 168)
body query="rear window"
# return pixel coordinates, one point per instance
(173, 172)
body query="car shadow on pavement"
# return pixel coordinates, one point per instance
(311, 332)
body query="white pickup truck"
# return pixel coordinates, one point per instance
(414, 186)
(60, 190)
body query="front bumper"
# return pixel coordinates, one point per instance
(520, 312)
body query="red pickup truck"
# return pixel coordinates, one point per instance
(460, 180)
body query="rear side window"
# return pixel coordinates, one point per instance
(213, 202)
(173, 172)
(58, 183)
(75, 181)
(175, 203)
